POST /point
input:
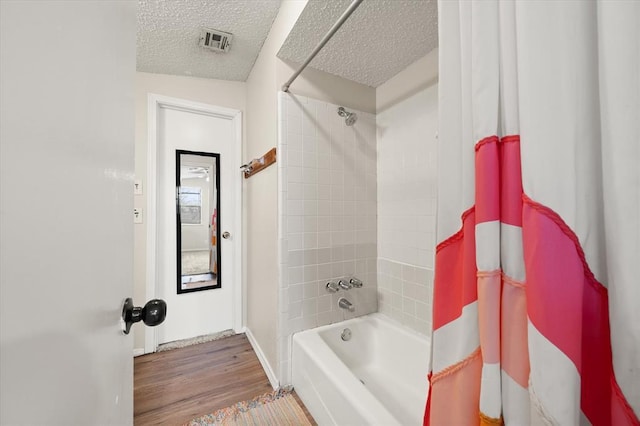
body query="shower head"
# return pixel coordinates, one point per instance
(349, 117)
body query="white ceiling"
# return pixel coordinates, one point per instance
(169, 31)
(379, 40)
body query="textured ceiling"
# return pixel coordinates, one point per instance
(379, 40)
(169, 31)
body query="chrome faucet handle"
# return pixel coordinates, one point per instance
(355, 282)
(332, 287)
(344, 284)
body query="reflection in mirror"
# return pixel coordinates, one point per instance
(197, 207)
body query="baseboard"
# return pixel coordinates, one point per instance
(138, 352)
(271, 375)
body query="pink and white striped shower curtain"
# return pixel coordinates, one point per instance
(537, 297)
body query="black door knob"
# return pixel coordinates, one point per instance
(153, 313)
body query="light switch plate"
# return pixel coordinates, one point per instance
(137, 187)
(137, 215)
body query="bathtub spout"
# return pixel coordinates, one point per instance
(345, 304)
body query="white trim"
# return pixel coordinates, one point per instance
(138, 352)
(238, 299)
(154, 102)
(271, 375)
(150, 335)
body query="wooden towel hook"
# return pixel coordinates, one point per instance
(258, 164)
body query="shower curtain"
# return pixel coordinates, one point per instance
(537, 297)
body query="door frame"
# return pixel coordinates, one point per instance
(154, 103)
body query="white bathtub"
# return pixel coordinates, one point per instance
(379, 377)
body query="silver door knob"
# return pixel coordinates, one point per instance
(226, 235)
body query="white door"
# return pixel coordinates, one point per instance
(67, 138)
(186, 126)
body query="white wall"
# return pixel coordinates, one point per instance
(418, 76)
(407, 126)
(260, 191)
(327, 87)
(328, 215)
(229, 94)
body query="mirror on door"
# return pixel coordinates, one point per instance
(197, 213)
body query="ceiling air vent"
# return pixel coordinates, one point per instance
(217, 40)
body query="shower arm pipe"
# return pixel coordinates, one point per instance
(352, 7)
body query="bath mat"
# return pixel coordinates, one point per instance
(195, 340)
(277, 408)
(195, 262)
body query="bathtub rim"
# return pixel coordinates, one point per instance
(378, 316)
(356, 393)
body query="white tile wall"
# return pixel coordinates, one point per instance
(405, 293)
(407, 208)
(327, 222)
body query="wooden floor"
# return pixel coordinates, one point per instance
(175, 386)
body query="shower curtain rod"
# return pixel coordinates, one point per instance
(353, 6)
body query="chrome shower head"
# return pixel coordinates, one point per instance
(349, 117)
